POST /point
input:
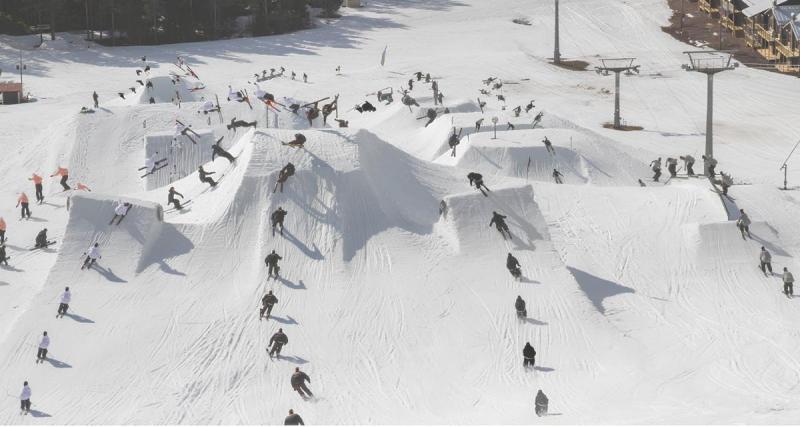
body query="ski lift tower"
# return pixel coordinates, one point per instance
(617, 66)
(709, 62)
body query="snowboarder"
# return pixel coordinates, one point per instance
(766, 261)
(528, 355)
(267, 302)
(95, 98)
(41, 354)
(91, 256)
(23, 200)
(454, 141)
(63, 306)
(743, 223)
(710, 164)
(272, 264)
(277, 219)
(688, 164)
(41, 239)
(240, 124)
(119, 212)
(655, 165)
(293, 419)
(788, 283)
(171, 198)
(549, 146)
(278, 340)
(478, 124)
(205, 176)
(284, 174)
(499, 221)
(725, 181)
(431, 114)
(519, 305)
(557, 176)
(64, 174)
(37, 183)
(513, 266)
(541, 403)
(299, 379)
(672, 167)
(25, 398)
(298, 141)
(477, 179)
(217, 150)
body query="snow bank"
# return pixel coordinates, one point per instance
(182, 158)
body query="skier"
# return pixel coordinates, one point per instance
(342, 123)
(328, 109)
(529, 107)
(23, 200)
(788, 282)
(41, 354)
(549, 146)
(517, 110)
(435, 88)
(64, 174)
(272, 264)
(454, 141)
(519, 305)
(655, 165)
(427, 77)
(37, 183)
(82, 187)
(95, 98)
(2, 230)
(298, 141)
(299, 379)
(119, 212)
(510, 126)
(63, 306)
(41, 239)
(478, 124)
(91, 256)
(183, 130)
(725, 181)
(293, 419)
(284, 174)
(217, 150)
(431, 114)
(209, 107)
(418, 74)
(267, 303)
(3, 257)
(557, 176)
(499, 221)
(443, 208)
(305, 78)
(205, 176)
(743, 223)
(366, 106)
(766, 261)
(710, 164)
(528, 355)
(277, 219)
(672, 167)
(688, 163)
(240, 124)
(236, 95)
(541, 403)
(171, 198)
(25, 398)
(408, 101)
(278, 340)
(477, 179)
(641, 183)
(293, 74)
(312, 113)
(410, 84)
(513, 266)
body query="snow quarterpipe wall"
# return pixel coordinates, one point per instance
(182, 155)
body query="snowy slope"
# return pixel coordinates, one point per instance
(644, 303)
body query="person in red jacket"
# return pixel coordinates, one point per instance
(37, 182)
(23, 200)
(64, 174)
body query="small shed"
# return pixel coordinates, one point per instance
(11, 93)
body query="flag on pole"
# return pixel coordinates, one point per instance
(383, 56)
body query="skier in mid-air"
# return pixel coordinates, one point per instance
(499, 221)
(91, 256)
(519, 305)
(235, 124)
(477, 179)
(766, 261)
(557, 176)
(299, 379)
(549, 146)
(205, 176)
(272, 264)
(276, 343)
(267, 302)
(277, 219)
(528, 356)
(217, 150)
(513, 266)
(478, 124)
(63, 305)
(431, 114)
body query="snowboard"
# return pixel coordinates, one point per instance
(49, 242)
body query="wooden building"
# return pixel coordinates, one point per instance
(11, 93)
(772, 28)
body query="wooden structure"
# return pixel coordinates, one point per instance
(772, 28)
(11, 93)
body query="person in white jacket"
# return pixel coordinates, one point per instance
(25, 398)
(788, 283)
(66, 297)
(41, 355)
(91, 256)
(766, 261)
(119, 212)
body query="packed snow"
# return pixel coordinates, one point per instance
(644, 304)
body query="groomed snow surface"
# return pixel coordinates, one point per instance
(645, 305)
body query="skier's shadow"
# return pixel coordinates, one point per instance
(109, 274)
(313, 254)
(79, 319)
(10, 268)
(543, 369)
(58, 363)
(287, 321)
(39, 414)
(533, 321)
(294, 359)
(169, 270)
(2, 283)
(37, 219)
(288, 283)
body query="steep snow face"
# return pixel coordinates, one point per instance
(645, 304)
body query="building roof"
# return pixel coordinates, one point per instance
(10, 87)
(758, 6)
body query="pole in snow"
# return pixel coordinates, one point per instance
(617, 66)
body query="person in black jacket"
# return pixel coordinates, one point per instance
(204, 176)
(277, 219)
(171, 198)
(541, 403)
(293, 419)
(267, 302)
(283, 175)
(499, 221)
(272, 263)
(529, 355)
(278, 340)
(519, 305)
(217, 150)
(513, 266)
(477, 179)
(299, 379)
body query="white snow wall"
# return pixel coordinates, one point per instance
(182, 158)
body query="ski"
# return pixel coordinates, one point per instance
(156, 169)
(49, 242)
(247, 98)
(157, 163)
(183, 205)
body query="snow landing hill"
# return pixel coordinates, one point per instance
(644, 303)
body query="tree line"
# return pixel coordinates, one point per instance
(117, 22)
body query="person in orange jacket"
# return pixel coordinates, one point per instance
(37, 182)
(2, 230)
(64, 174)
(23, 200)
(82, 187)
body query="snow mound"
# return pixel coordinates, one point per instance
(165, 90)
(181, 158)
